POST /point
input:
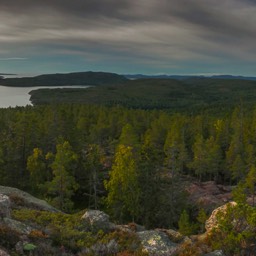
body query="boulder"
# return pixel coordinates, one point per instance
(157, 243)
(97, 220)
(131, 227)
(5, 204)
(212, 222)
(20, 198)
(209, 195)
(173, 235)
(215, 253)
(111, 248)
(17, 226)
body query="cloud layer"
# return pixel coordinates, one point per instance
(129, 36)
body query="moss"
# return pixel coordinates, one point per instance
(29, 247)
(62, 229)
(69, 232)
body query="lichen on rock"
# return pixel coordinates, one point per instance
(157, 243)
(97, 220)
(212, 222)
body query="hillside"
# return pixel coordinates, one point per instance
(184, 77)
(79, 78)
(29, 226)
(75, 156)
(193, 94)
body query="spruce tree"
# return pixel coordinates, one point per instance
(122, 186)
(63, 185)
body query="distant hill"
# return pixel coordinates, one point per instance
(177, 77)
(184, 77)
(6, 74)
(193, 94)
(79, 78)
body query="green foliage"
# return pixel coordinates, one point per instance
(236, 230)
(78, 78)
(239, 193)
(71, 233)
(150, 185)
(175, 146)
(129, 137)
(37, 168)
(189, 96)
(165, 147)
(251, 182)
(29, 247)
(127, 241)
(235, 233)
(201, 218)
(123, 188)
(92, 161)
(64, 229)
(63, 184)
(186, 227)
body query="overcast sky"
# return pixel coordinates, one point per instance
(128, 36)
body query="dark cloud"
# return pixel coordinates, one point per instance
(143, 30)
(78, 7)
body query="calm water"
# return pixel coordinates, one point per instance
(18, 96)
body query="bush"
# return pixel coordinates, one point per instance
(8, 237)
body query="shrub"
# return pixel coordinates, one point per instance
(8, 236)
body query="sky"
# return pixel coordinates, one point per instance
(199, 37)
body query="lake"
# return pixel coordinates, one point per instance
(19, 96)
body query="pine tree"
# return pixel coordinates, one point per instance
(201, 218)
(92, 164)
(176, 155)
(128, 136)
(37, 168)
(186, 228)
(63, 184)
(213, 158)
(251, 182)
(150, 185)
(199, 163)
(122, 186)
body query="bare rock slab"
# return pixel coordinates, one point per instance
(5, 204)
(97, 220)
(20, 198)
(212, 222)
(157, 243)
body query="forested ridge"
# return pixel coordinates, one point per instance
(133, 149)
(152, 149)
(191, 95)
(62, 79)
(134, 164)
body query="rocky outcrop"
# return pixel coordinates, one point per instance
(5, 204)
(209, 195)
(97, 220)
(153, 242)
(17, 226)
(20, 198)
(173, 235)
(111, 248)
(212, 222)
(131, 227)
(215, 253)
(157, 243)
